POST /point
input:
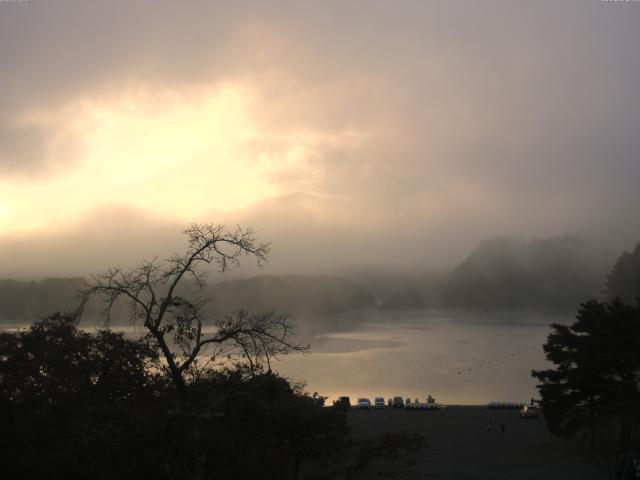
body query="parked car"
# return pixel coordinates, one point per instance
(529, 411)
(379, 402)
(504, 405)
(364, 403)
(342, 403)
(398, 402)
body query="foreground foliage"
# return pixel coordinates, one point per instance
(101, 406)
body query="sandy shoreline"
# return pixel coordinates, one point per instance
(460, 447)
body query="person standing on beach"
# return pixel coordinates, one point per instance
(489, 426)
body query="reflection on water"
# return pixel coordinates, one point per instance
(349, 344)
(456, 362)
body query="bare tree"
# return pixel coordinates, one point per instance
(177, 321)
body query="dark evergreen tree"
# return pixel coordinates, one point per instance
(595, 382)
(624, 279)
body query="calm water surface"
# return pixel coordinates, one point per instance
(457, 362)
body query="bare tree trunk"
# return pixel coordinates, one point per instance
(176, 373)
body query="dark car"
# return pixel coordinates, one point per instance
(342, 403)
(398, 402)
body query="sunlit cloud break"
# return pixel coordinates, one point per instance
(180, 153)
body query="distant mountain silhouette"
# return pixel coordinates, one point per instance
(22, 301)
(29, 301)
(556, 272)
(507, 273)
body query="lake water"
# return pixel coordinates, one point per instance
(460, 360)
(456, 360)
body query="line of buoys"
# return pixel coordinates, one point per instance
(497, 360)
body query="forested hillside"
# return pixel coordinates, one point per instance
(540, 273)
(624, 279)
(28, 301)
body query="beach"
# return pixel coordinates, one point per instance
(461, 447)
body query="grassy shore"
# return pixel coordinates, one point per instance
(460, 447)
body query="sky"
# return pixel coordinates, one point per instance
(349, 134)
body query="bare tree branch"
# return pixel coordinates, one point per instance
(177, 322)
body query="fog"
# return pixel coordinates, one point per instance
(394, 135)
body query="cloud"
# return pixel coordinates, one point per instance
(341, 125)
(22, 149)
